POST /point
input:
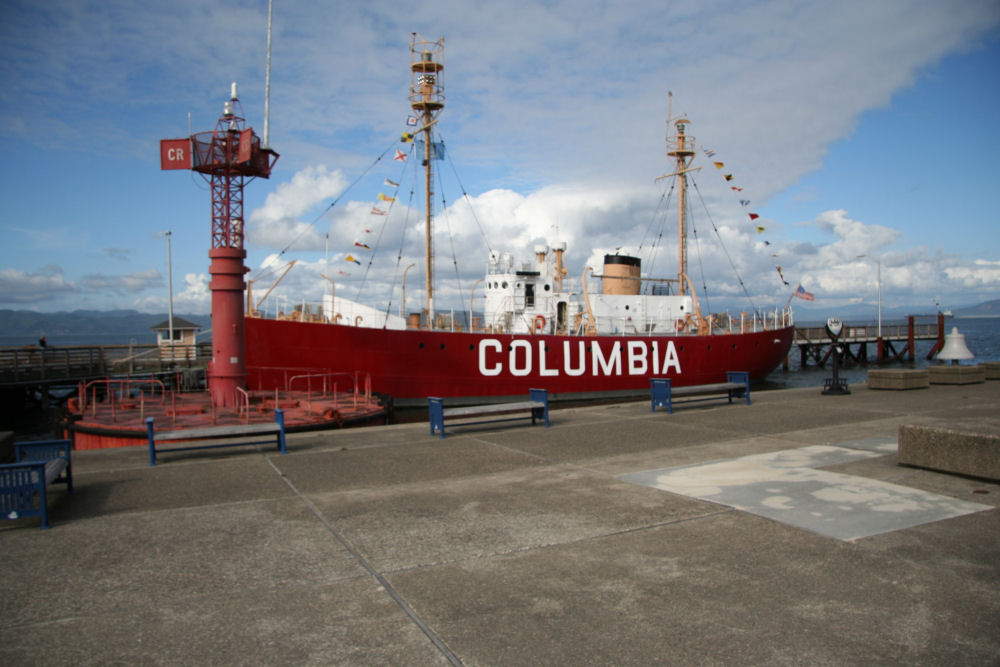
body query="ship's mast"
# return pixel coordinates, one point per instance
(427, 100)
(680, 146)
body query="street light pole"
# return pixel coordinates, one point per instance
(878, 264)
(170, 295)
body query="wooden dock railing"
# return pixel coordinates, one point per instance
(31, 363)
(866, 333)
(815, 344)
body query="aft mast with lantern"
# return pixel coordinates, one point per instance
(427, 101)
(681, 147)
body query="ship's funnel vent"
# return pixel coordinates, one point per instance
(621, 275)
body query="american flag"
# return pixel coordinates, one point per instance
(803, 294)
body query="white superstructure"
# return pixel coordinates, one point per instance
(528, 297)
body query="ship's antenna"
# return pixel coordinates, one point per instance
(267, 83)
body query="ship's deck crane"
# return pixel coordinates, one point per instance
(253, 309)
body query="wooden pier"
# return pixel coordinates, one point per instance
(34, 365)
(895, 344)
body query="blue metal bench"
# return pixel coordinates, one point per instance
(538, 405)
(23, 484)
(199, 436)
(662, 394)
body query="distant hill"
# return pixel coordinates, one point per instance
(986, 309)
(858, 313)
(864, 313)
(31, 325)
(855, 313)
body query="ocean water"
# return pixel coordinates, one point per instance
(982, 337)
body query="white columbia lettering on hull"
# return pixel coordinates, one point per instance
(636, 357)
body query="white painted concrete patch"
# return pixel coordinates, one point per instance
(787, 487)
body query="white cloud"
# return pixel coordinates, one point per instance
(21, 287)
(726, 252)
(853, 238)
(136, 281)
(119, 254)
(277, 224)
(981, 273)
(556, 110)
(848, 268)
(194, 297)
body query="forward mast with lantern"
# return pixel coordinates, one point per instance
(228, 157)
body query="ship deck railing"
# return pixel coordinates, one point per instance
(720, 324)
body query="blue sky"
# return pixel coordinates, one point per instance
(854, 128)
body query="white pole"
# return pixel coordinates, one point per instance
(879, 263)
(878, 282)
(170, 294)
(267, 82)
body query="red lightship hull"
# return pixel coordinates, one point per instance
(410, 365)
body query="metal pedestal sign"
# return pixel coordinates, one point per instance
(834, 385)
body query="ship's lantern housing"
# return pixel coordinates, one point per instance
(427, 69)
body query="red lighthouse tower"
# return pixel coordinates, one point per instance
(228, 157)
